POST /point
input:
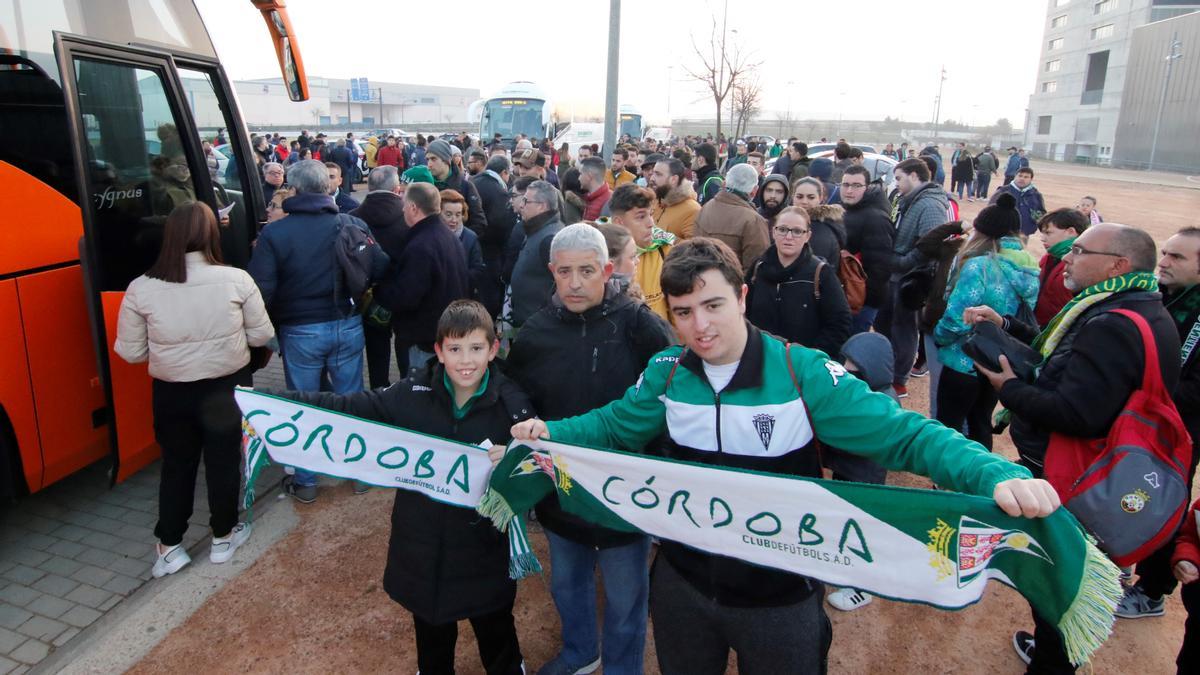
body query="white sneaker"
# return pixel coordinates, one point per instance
(849, 599)
(170, 562)
(223, 548)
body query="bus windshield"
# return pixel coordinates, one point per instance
(511, 116)
(632, 125)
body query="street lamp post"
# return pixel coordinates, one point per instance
(1162, 101)
(937, 104)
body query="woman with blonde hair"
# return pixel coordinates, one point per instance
(194, 319)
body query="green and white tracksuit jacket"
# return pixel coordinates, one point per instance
(763, 420)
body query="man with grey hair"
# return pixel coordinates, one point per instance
(319, 331)
(531, 281)
(589, 327)
(1097, 361)
(383, 211)
(273, 175)
(492, 186)
(732, 218)
(596, 192)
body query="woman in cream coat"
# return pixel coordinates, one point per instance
(194, 319)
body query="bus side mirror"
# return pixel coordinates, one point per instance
(291, 65)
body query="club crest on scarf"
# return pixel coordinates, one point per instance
(977, 543)
(554, 467)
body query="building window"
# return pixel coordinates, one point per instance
(1058, 21)
(1050, 87)
(1055, 44)
(1043, 125)
(1101, 32)
(1158, 13)
(1103, 6)
(1097, 73)
(1053, 66)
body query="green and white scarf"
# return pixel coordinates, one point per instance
(932, 547)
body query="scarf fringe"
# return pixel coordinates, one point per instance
(495, 508)
(1088, 622)
(521, 560)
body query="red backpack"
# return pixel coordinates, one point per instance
(1129, 489)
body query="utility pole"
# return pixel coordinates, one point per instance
(937, 104)
(348, 115)
(381, 106)
(1162, 101)
(614, 62)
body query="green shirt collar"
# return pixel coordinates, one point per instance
(460, 413)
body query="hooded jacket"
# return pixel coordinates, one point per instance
(770, 213)
(730, 218)
(708, 184)
(676, 213)
(1002, 281)
(828, 233)
(444, 563)
(674, 396)
(294, 266)
(782, 301)
(1030, 205)
(918, 212)
(372, 152)
(608, 344)
(869, 235)
(873, 356)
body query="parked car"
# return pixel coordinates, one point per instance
(881, 168)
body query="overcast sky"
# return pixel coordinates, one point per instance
(862, 58)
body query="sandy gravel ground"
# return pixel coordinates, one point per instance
(314, 603)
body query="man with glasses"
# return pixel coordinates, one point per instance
(272, 179)
(868, 237)
(476, 161)
(531, 281)
(1096, 362)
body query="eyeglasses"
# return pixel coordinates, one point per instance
(853, 186)
(793, 232)
(1078, 250)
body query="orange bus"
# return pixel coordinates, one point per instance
(101, 107)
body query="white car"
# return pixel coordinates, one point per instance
(881, 168)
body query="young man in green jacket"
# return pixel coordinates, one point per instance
(729, 398)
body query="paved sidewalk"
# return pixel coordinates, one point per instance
(72, 552)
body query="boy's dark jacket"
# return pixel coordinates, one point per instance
(444, 562)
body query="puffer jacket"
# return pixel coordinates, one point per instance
(444, 562)
(730, 218)
(999, 280)
(196, 330)
(783, 301)
(609, 344)
(869, 236)
(828, 233)
(676, 213)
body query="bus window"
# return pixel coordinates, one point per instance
(33, 124)
(226, 165)
(136, 164)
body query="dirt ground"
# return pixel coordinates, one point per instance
(314, 603)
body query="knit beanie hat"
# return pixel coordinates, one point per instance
(440, 149)
(821, 168)
(1000, 219)
(418, 174)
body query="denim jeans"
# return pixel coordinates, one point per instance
(626, 591)
(862, 322)
(312, 349)
(983, 180)
(934, 363)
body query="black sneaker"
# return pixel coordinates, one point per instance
(305, 494)
(1023, 643)
(1135, 604)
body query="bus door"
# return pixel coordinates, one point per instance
(138, 157)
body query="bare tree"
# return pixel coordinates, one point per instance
(747, 103)
(721, 65)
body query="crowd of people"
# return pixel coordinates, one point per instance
(529, 283)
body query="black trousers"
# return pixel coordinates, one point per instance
(967, 398)
(496, 634)
(1188, 661)
(378, 341)
(194, 420)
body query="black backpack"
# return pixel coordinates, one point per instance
(360, 260)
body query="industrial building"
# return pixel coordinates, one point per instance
(1084, 72)
(342, 103)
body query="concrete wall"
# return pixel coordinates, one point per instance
(1179, 135)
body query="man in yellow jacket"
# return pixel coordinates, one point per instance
(632, 208)
(616, 176)
(372, 151)
(677, 207)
